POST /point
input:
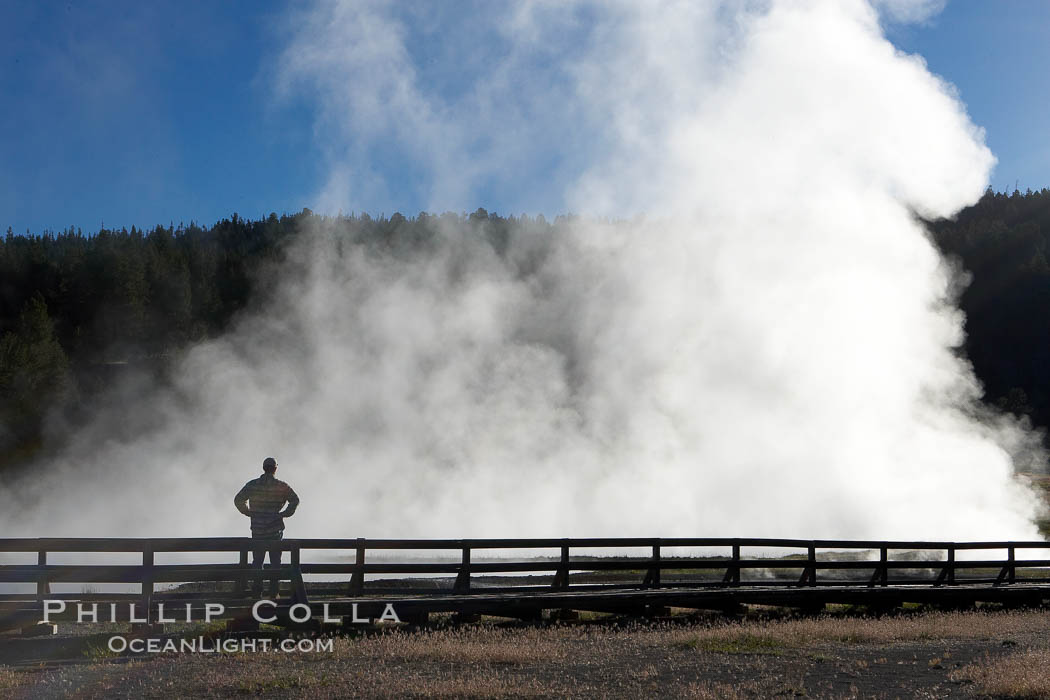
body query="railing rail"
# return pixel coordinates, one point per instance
(234, 544)
(571, 563)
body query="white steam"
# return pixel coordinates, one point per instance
(769, 352)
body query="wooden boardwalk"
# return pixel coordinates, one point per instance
(355, 579)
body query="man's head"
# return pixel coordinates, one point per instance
(269, 465)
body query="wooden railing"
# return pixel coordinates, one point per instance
(730, 563)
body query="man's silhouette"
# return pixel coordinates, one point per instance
(263, 499)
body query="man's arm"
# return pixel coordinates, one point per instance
(293, 503)
(241, 500)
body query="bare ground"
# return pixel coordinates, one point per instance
(931, 654)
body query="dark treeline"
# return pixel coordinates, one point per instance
(77, 310)
(1003, 242)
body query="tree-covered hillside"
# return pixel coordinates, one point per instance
(77, 310)
(1003, 242)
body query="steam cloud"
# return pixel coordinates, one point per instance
(769, 351)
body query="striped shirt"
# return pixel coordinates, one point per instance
(263, 499)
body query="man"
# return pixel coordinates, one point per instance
(262, 499)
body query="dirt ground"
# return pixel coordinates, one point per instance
(765, 654)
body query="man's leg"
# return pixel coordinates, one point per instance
(258, 555)
(275, 561)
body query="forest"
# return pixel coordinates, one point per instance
(78, 310)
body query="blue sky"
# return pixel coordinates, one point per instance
(997, 54)
(133, 113)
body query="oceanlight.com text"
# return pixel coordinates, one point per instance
(203, 645)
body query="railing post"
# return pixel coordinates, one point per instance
(43, 584)
(809, 574)
(947, 574)
(242, 577)
(147, 570)
(561, 576)
(147, 578)
(652, 577)
(298, 585)
(462, 584)
(1006, 574)
(357, 579)
(881, 570)
(732, 575)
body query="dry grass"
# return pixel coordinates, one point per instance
(769, 637)
(9, 680)
(727, 691)
(466, 645)
(1022, 675)
(731, 660)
